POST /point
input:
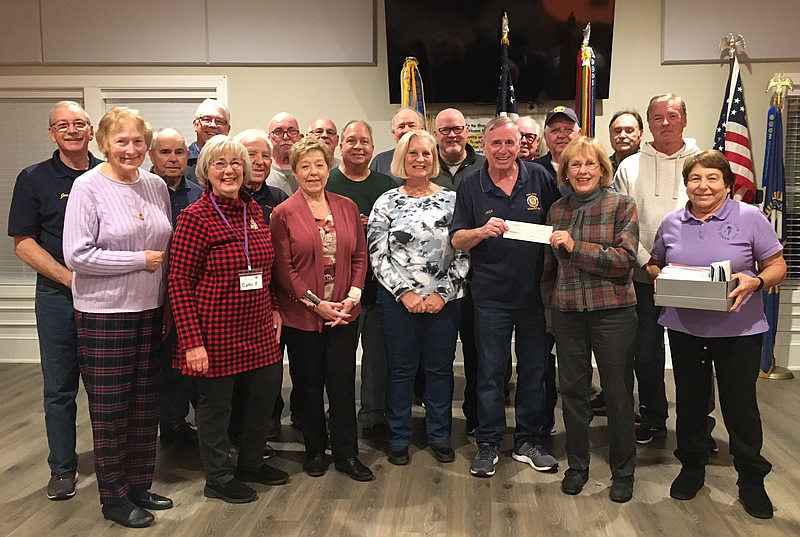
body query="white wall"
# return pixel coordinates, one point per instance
(343, 93)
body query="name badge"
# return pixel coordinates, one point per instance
(250, 280)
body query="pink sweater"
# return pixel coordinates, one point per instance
(107, 227)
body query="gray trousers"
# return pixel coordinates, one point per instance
(611, 335)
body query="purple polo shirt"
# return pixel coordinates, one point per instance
(738, 232)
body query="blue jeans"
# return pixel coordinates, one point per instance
(373, 368)
(493, 329)
(419, 340)
(58, 348)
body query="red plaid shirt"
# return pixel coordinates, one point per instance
(236, 327)
(597, 274)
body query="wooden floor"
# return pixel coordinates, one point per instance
(424, 498)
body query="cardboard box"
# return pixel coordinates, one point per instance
(710, 296)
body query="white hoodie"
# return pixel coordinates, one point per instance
(655, 181)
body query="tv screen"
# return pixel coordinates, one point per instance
(457, 45)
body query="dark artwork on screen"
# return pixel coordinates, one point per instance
(458, 47)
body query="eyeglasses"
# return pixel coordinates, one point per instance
(590, 165)
(63, 126)
(279, 133)
(319, 132)
(221, 165)
(445, 131)
(529, 137)
(208, 121)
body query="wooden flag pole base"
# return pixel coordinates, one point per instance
(777, 373)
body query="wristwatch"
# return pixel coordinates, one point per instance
(312, 298)
(760, 283)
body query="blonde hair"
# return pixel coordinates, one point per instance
(305, 146)
(589, 146)
(398, 168)
(114, 119)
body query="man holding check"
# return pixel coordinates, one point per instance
(506, 192)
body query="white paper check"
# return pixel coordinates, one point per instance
(523, 231)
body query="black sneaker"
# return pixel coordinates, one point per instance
(598, 405)
(264, 474)
(621, 489)
(234, 491)
(574, 480)
(443, 452)
(688, 483)
(398, 455)
(754, 499)
(274, 428)
(645, 435)
(62, 486)
(378, 432)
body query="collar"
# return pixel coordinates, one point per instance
(721, 214)
(487, 185)
(65, 171)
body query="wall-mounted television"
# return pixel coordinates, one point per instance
(458, 47)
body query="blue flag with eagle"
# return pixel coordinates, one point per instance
(774, 182)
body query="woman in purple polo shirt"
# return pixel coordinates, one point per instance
(714, 227)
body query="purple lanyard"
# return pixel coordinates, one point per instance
(225, 219)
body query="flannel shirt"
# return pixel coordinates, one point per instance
(236, 327)
(597, 274)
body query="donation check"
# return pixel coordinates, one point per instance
(523, 231)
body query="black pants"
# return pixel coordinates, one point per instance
(214, 413)
(320, 361)
(736, 361)
(611, 335)
(649, 359)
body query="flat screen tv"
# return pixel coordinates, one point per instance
(457, 45)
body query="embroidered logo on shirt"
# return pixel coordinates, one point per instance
(728, 232)
(253, 224)
(490, 211)
(63, 195)
(533, 201)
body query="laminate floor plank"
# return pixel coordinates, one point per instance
(425, 498)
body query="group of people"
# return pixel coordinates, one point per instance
(158, 291)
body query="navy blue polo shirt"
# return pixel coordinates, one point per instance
(40, 200)
(187, 193)
(505, 272)
(267, 197)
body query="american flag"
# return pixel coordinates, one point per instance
(506, 100)
(733, 136)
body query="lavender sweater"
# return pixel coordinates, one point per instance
(107, 227)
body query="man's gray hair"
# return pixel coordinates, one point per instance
(420, 117)
(62, 104)
(253, 134)
(499, 121)
(167, 130)
(362, 122)
(212, 105)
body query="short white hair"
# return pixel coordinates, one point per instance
(253, 134)
(212, 105)
(167, 130)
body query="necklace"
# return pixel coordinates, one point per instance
(418, 193)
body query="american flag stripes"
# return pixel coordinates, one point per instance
(733, 136)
